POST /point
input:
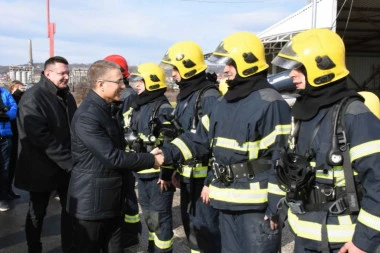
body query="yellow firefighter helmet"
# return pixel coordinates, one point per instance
(187, 57)
(245, 49)
(152, 74)
(320, 51)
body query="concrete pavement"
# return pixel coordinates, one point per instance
(12, 232)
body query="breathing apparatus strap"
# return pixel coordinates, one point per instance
(340, 146)
(198, 110)
(153, 118)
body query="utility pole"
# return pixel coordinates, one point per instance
(50, 30)
(314, 16)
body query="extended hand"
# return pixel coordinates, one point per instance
(350, 248)
(175, 182)
(156, 151)
(158, 160)
(273, 224)
(205, 195)
(164, 184)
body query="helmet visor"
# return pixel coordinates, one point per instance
(219, 60)
(286, 63)
(133, 78)
(166, 66)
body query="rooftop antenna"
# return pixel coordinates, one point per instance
(51, 30)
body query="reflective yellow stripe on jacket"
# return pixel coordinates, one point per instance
(206, 122)
(253, 195)
(364, 149)
(274, 189)
(369, 220)
(338, 233)
(183, 148)
(198, 171)
(254, 147)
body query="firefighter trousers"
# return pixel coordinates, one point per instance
(247, 231)
(200, 221)
(156, 206)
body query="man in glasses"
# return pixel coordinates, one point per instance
(132, 223)
(96, 190)
(44, 157)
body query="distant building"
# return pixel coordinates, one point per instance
(23, 74)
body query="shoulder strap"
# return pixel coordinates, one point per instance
(340, 151)
(153, 118)
(198, 110)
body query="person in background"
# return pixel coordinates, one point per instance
(144, 122)
(332, 160)
(8, 111)
(132, 223)
(242, 134)
(96, 192)
(17, 89)
(196, 98)
(44, 151)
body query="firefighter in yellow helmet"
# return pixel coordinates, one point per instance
(242, 135)
(330, 171)
(143, 124)
(197, 96)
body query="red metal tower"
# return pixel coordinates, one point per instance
(50, 30)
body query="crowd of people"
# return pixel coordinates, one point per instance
(244, 161)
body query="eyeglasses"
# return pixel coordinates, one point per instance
(60, 74)
(120, 81)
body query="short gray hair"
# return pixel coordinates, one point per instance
(98, 69)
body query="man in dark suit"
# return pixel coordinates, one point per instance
(44, 155)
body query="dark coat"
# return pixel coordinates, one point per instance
(43, 121)
(99, 161)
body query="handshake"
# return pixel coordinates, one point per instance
(158, 157)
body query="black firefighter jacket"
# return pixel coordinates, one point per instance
(43, 121)
(362, 130)
(248, 129)
(99, 161)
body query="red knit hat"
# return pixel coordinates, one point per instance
(119, 60)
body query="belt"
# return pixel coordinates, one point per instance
(250, 168)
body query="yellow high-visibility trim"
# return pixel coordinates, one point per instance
(152, 170)
(254, 195)
(131, 218)
(163, 244)
(183, 148)
(274, 189)
(253, 147)
(194, 251)
(151, 236)
(345, 220)
(127, 116)
(206, 122)
(270, 138)
(198, 171)
(369, 220)
(336, 173)
(313, 231)
(364, 149)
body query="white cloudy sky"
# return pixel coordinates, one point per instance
(140, 30)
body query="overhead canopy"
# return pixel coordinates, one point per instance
(356, 21)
